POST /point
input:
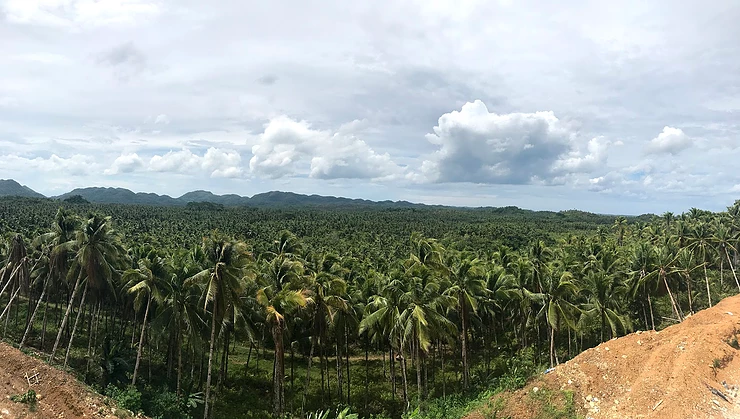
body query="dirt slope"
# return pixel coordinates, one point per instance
(688, 370)
(60, 394)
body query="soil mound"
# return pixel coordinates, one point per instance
(688, 370)
(59, 394)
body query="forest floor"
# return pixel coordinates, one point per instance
(687, 370)
(59, 394)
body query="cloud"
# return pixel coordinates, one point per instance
(162, 119)
(291, 148)
(216, 162)
(577, 162)
(670, 141)
(267, 80)
(479, 146)
(75, 165)
(125, 163)
(85, 13)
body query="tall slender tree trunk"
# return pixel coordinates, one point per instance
(141, 340)
(77, 320)
(552, 347)
(65, 318)
(179, 357)
(732, 268)
(279, 372)
(418, 373)
(10, 302)
(308, 375)
(367, 370)
(706, 278)
(650, 305)
(464, 343)
(670, 294)
(405, 380)
(210, 360)
(346, 364)
(43, 327)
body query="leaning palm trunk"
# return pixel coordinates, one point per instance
(77, 321)
(141, 341)
(732, 268)
(7, 307)
(65, 318)
(673, 302)
(35, 310)
(706, 278)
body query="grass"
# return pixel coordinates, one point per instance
(554, 404)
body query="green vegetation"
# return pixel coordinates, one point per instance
(381, 312)
(28, 398)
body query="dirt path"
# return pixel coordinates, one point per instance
(688, 370)
(60, 395)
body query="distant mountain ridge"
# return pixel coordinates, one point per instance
(102, 195)
(9, 187)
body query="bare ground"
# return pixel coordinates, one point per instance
(60, 395)
(688, 370)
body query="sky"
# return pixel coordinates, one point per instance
(614, 107)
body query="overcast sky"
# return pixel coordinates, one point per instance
(616, 107)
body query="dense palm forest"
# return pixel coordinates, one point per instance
(211, 311)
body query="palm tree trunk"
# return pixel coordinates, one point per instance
(65, 318)
(673, 302)
(418, 372)
(308, 375)
(367, 370)
(77, 320)
(732, 268)
(706, 278)
(210, 360)
(552, 347)
(444, 377)
(650, 305)
(346, 364)
(279, 373)
(464, 341)
(10, 302)
(179, 358)
(405, 381)
(43, 328)
(141, 340)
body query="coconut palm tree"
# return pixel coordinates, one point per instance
(228, 264)
(700, 242)
(97, 257)
(145, 283)
(281, 294)
(62, 231)
(467, 286)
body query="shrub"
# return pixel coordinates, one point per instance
(126, 398)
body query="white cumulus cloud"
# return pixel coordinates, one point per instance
(479, 146)
(289, 148)
(125, 163)
(670, 141)
(216, 162)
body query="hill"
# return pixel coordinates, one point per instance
(688, 370)
(118, 196)
(59, 394)
(9, 187)
(267, 199)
